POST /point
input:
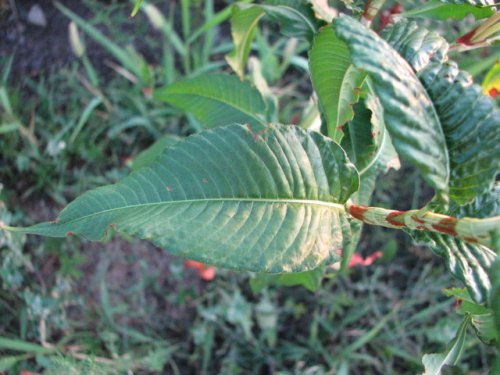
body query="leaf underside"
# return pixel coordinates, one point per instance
(216, 100)
(267, 201)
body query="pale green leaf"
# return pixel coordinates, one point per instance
(409, 114)
(434, 363)
(437, 9)
(336, 81)
(216, 100)
(268, 200)
(136, 8)
(243, 24)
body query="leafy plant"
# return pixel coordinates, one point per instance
(250, 195)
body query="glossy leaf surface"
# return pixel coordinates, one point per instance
(267, 201)
(409, 113)
(471, 123)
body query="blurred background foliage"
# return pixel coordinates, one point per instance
(75, 113)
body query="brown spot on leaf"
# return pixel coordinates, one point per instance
(170, 188)
(204, 180)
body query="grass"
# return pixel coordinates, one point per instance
(72, 307)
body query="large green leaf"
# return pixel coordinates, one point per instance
(243, 24)
(469, 120)
(434, 363)
(216, 100)
(417, 45)
(437, 9)
(471, 123)
(267, 201)
(409, 114)
(336, 81)
(479, 3)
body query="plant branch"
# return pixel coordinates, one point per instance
(478, 231)
(372, 7)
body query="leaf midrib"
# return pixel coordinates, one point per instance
(337, 206)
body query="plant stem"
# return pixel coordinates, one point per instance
(372, 7)
(478, 231)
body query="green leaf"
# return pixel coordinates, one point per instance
(491, 82)
(470, 122)
(372, 156)
(494, 298)
(417, 45)
(468, 119)
(471, 2)
(295, 18)
(7, 362)
(336, 81)
(311, 280)
(149, 155)
(409, 115)
(216, 100)
(469, 263)
(484, 325)
(269, 200)
(136, 8)
(22, 346)
(434, 363)
(436, 9)
(362, 138)
(243, 25)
